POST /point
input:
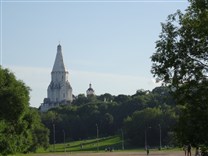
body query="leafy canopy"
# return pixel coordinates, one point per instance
(21, 129)
(14, 97)
(181, 62)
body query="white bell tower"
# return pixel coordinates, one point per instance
(59, 90)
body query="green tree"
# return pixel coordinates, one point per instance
(80, 100)
(39, 133)
(180, 61)
(148, 121)
(14, 102)
(14, 97)
(18, 123)
(105, 97)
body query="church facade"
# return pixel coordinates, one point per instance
(59, 91)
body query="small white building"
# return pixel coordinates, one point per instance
(90, 91)
(59, 90)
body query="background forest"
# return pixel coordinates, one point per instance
(113, 115)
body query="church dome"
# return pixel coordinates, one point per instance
(90, 90)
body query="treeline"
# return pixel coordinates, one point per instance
(144, 112)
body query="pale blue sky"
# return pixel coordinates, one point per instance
(107, 43)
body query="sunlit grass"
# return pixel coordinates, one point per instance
(86, 145)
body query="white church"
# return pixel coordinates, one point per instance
(59, 90)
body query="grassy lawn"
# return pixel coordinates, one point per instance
(93, 146)
(86, 145)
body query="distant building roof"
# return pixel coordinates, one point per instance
(90, 90)
(59, 62)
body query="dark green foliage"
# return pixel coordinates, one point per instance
(81, 99)
(149, 120)
(180, 62)
(39, 132)
(14, 97)
(194, 115)
(20, 126)
(204, 150)
(108, 112)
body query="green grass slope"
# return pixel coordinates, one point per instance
(101, 144)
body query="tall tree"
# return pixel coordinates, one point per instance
(14, 102)
(20, 127)
(181, 62)
(14, 97)
(143, 127)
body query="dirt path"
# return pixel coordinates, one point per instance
(156, 153)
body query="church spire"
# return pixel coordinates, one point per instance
(59, 90)
(59, 62)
